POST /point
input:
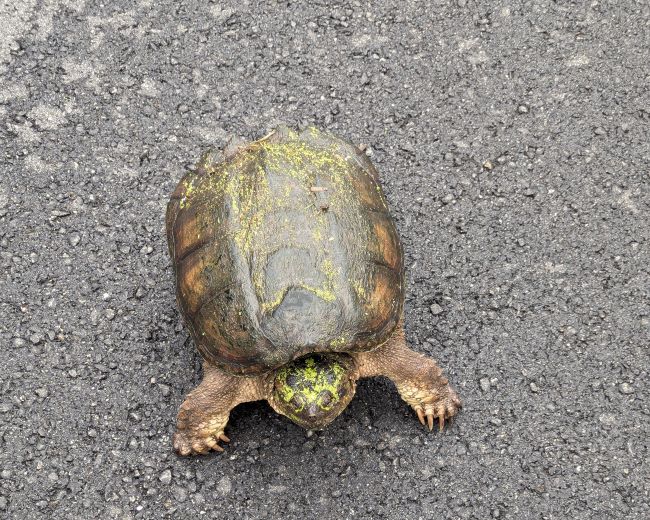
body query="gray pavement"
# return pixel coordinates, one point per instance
(513, 140)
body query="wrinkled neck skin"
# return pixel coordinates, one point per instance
(313, 390)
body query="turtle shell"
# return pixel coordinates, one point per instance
(284, 247)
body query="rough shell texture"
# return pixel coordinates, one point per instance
(282, 247)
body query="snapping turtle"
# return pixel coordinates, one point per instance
(290, 278)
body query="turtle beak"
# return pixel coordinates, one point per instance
(312, 410)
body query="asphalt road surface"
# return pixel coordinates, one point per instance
(513, 141)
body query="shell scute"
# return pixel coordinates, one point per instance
(282, 248)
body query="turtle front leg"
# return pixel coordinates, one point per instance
(203, 416)
(418, 379)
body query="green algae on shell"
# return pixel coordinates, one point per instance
(291, 221)
(313, 390)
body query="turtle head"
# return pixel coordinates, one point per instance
(313, 390)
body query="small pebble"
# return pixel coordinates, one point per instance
(74, 239)
(522, 109)
(435, 309)
(165, 477)
(608, 419)
(534, 388)
(626, 388)
(179, 493)
(224, 486)
(488, 165)
(485, 384)
(41, 392)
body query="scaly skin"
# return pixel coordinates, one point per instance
(204, 414)
(418, 379)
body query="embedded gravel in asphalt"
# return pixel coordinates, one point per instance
(513, 142)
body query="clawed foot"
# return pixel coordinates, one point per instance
(200, 438)
(432, 403)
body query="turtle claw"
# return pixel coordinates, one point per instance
(187, 442)
(199, 436)
(420, 415)
(213, 443)
(428, 406)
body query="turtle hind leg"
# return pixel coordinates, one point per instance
(418, 379)
(203, 416)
